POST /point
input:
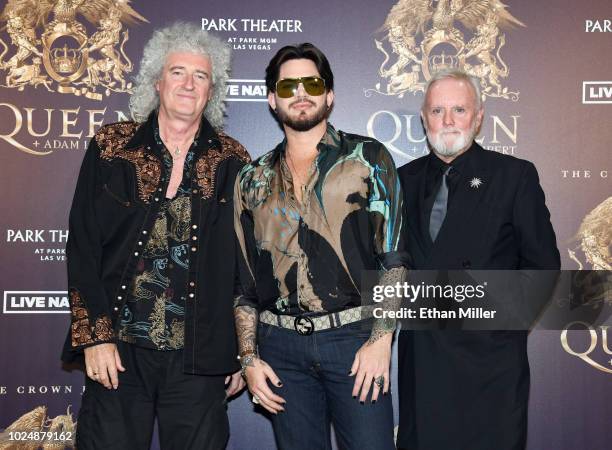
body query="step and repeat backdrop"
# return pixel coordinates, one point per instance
(67, 67)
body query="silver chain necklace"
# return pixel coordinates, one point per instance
(290, 161)
(176, 152)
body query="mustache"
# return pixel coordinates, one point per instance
(450, 130)
(301, 100)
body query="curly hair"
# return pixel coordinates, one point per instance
(180, 37)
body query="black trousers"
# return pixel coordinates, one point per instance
(190, 409)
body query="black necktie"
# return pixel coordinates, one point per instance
(438, 211)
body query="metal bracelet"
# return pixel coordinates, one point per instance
(246, 361)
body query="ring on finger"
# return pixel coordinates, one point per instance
(256, 399)
(380, 381)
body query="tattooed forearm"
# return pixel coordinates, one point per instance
(246, 329)
(386, 325)
(381, 328)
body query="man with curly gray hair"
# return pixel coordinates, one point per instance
(150, 225)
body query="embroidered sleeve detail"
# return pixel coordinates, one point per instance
(112, 140)
(116, 134)
(103, 330)
(207, 164)
(234, 147)
(82, 332)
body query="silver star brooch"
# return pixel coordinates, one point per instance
(475, 182)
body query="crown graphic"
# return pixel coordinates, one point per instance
(64, 59)
(443, 61)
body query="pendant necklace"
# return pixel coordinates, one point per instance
(175, 153)
(292, 166)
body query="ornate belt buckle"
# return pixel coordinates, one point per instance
(304, 326)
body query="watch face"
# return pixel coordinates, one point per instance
(246, 360)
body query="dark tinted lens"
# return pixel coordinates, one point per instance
(314, 85)
(286, 87)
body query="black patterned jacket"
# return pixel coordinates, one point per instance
(118, 194)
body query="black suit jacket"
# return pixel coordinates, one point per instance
(469, 389)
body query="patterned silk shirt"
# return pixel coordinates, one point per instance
(154, 317)
(308, 257)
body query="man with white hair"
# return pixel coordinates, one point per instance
(151, 222)
(467, 208)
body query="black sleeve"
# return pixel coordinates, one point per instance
(531, 219)
(90, 311)
(245, 292)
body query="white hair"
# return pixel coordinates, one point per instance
(456, 74)
(180, 37)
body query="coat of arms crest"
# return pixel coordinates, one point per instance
(423, 39)
(39, 431)
(594, 238)
(61, 51)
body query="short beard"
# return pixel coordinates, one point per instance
(303, 124)
(463, 141)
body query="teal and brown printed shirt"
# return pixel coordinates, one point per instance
(154, 317)
(309, 257)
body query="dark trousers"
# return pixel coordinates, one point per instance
(317, 388)
(190, 409)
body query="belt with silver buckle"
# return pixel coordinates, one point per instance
(306, 325)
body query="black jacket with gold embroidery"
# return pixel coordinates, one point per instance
(118, 194)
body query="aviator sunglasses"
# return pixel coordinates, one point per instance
(287, 87)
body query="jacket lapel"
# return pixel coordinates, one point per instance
(424, 236)
(413, 177)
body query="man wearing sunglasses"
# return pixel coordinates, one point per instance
(310, 216)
